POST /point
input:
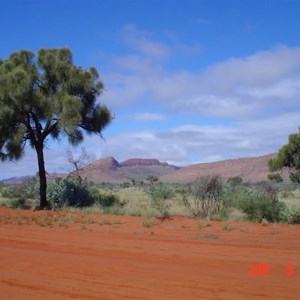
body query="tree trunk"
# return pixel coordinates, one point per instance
(42, 176)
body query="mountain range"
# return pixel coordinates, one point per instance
(110, 170)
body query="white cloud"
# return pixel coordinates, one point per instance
(141, 41)
(235, 88)
(149, 117)
(201, 143)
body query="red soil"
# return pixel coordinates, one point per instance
(123, 259)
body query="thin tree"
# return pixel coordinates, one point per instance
(46, 97)
(77, 164)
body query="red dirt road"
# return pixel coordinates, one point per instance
(114, 257)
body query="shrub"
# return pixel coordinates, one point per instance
(206, 192)
(233, 198)
(159, 195)
(107, 199)
(19, 190)
(76, 193)
(222, 215)
(161, 191)
(125, 185)
(55, 192)
(291, 215)
(69, 192)
(295, 177)
(152, 179)
(260, 205)
(275, 177)
(234, 181)
(20, 203)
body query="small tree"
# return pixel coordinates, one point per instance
(206, 192)
(288, 156)
(45, 97)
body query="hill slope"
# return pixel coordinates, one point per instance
(110, 170)
(250, 169)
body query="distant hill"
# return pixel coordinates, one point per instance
(250, 169)
(110, 170)
(15, 180)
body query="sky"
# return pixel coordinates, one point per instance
(186, 81)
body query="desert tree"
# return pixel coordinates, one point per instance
(288, 156)
(46, 96)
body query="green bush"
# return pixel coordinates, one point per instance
(295, 177)
(276, 177)
(259, 205)
(160, 194)
(69, 192)
(160, 191)
(207, 196)
(291, 215)
(107, 199)
(20, 203)
(19, 190)
(235, 181)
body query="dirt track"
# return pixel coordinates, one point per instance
(119, 258)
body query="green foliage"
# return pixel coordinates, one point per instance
(160, 194)
(235, 181)
(259, 206)
(260, 203)
(20, 190)
(20, 203)
(295, 177)
(291, 215)
(222, 215)
(152, 179)
(161, 191)
(125, 185)
(76, 193)
(206, 192)
(276, 177)
(288, 155)
(107, 199)
(46, 96)
(69, 192)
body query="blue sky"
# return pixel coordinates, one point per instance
(187, 81)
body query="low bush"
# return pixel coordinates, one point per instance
(204, 197)
(295, 177)
(19, 203)
(69, 192)
(291, 215)
(258, 202)
(106, 199)
(160, 195)
(19, 190)
(275, 177)
(259, 205)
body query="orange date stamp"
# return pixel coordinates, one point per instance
(262, 269)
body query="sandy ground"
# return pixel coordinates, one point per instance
(114, 257)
